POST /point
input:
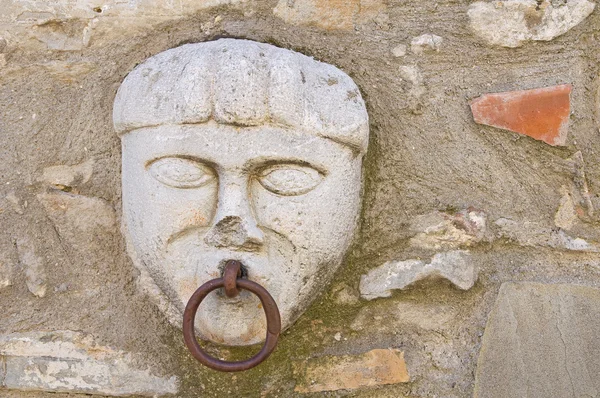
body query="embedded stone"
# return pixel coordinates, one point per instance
(511, 23)
(331, 15)
(455, 266)
(65, 176)
(413, 75)
(399, 50)
(541, 341)
(6, 271)
(528, 233)
(68, 72)
(34, 266)
(566, 215)
(447, 231)
(541, 113)
(426, 43)
(345, 295)
(349, 372)
(67, 361)
(15, 202)
(64, 35)
(80, 220)
(387, 316)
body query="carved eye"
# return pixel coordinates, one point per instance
(181, 173)
(289, 179)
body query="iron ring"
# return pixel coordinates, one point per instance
(273, 325)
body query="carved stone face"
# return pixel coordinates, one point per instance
(281, 198)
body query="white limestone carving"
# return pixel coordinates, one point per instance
(239, 150)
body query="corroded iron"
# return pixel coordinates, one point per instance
(233, 270)
(231, 282)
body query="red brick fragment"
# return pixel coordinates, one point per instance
(542, 113)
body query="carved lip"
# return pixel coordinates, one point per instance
(201, 230)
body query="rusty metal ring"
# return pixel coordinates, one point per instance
(233, 270)
(273, 326)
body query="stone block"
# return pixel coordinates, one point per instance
(511, 23)
(34, 266)
(388, 317)
(426, 43)
(66, 361)
(541, 341)
(444, 231)
(455, 266)
(349, 372)
(65, 176)
(529, 233)
(327, 14)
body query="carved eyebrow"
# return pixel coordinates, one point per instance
(259, 163)
(204, 161)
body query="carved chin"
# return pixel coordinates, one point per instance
(189, 262)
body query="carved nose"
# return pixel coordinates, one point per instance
(232, 231)
(234, 224)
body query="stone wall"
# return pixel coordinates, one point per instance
(476, 268)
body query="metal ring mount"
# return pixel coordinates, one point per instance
(232, 272)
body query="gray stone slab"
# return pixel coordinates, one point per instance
(541, 341)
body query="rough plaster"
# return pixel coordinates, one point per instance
(426, 155)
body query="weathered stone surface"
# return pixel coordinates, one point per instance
(70, 72)
(80, 220)
(446, 231)
(541, 113)
(579, 190)
(6, 270)
(64, 176)
(33, 264)
(42, 12)
(345, 295)
(71, 26)
(16, 204)
(541, 341)
(426, 43)
(66, 361)
(399, 50)
(455, 266)
(529, 233)
(329, 14)
(566, 215)
(511, 23)
(73, 35)
(349, 372)
(389, 316)
(413, 75)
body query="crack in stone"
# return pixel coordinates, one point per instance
(562, 339)
(2, 370)
(518, 342)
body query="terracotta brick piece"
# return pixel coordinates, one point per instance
(542, 113)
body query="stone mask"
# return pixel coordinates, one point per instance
(237, 150)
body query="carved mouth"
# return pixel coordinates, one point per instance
(240, 298)
(202, 230)
(244, 269)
